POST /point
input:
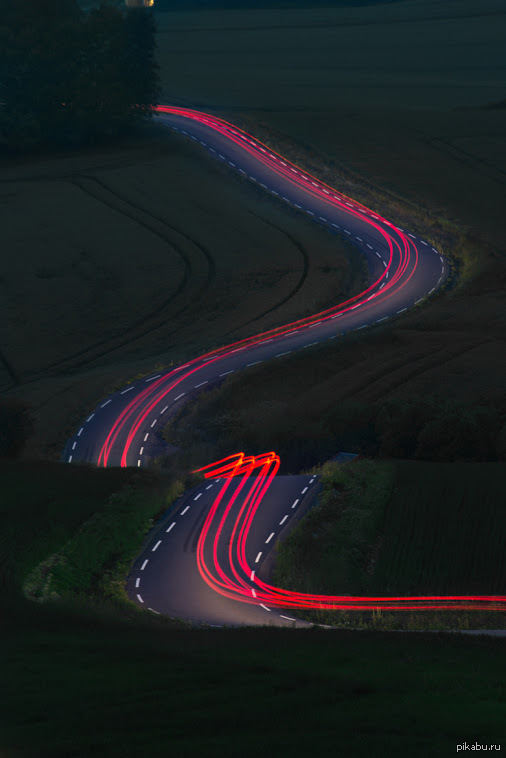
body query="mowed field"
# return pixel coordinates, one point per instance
(124, 258)
(395, 91)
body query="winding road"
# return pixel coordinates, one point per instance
(209, 558)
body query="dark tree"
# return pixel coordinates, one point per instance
(16, 426)
(67, 76)
(140, 66)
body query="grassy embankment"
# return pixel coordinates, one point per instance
(402, 528)
(101, 679)
(71, 532)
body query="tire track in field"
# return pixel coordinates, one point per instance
(299, 284)
(465, 158)
(416, 369)
(152, 222)
(9, 370)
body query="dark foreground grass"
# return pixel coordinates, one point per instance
(403, 528)
(77, 686)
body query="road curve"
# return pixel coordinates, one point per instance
(215, 547)
(123, 430)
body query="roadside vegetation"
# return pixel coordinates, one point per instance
(401, 528)
(300, 407)
(71, 532)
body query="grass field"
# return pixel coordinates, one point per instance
(105, 250)
(403, 528)
(98, 679)
(394, 91)
(140, 691)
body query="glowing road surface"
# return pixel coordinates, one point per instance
(211, 562)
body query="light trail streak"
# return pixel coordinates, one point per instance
(234, 580)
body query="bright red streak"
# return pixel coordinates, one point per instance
(234, 580)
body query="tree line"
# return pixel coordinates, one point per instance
(69, 76)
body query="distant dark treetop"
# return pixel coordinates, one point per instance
(68, 76)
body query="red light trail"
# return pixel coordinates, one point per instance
(238, 581)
